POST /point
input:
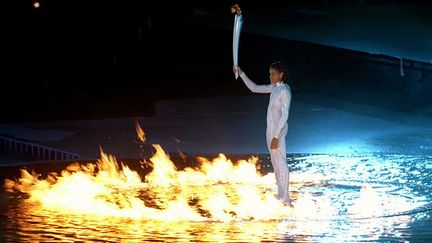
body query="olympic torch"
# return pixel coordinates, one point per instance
(238, 22)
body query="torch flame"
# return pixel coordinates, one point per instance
(235, 9)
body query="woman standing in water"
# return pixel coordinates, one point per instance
(277, 122)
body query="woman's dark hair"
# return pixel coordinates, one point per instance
(281, 68)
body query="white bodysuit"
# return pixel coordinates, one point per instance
(277, 127)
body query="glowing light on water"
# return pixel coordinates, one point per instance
(342, 197)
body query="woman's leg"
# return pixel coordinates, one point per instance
(280, 166)
(283, 170)
(273, 159)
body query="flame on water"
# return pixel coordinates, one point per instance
(216, 190)
(140, 132)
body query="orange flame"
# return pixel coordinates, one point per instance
(140, 132)
(217, 190)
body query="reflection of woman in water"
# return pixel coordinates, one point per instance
(277, 126)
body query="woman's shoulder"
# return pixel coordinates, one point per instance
(287, 87)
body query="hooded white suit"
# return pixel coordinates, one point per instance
(277, 127)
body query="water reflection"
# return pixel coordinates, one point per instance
(41, 225)
(367, 198)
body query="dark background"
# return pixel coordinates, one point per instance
(93, 59)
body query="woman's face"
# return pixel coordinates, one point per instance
(275, 76)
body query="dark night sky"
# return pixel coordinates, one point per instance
(85, 59)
